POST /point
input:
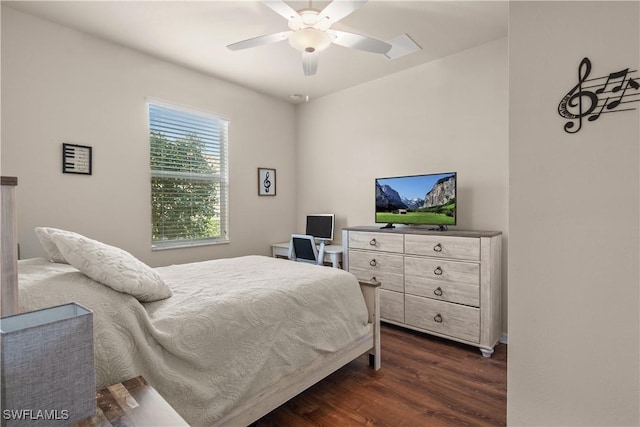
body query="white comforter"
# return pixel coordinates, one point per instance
(232, 328)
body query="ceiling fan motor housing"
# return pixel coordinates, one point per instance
(309, 18)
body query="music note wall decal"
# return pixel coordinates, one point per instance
(591, 98)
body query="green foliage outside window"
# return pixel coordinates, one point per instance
(185, 192)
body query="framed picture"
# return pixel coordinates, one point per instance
(76, 159)
(266, 182)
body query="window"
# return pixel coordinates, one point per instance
(189, 177)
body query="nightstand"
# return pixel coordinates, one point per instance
(132, 403)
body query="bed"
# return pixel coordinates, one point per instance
(235, 339)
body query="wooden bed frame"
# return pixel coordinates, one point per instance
(294, 384)
(257, 406)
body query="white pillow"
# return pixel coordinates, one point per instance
(44, 234)
(111, 266)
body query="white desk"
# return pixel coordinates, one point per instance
(332, 253)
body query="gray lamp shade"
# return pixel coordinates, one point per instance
(47, 372)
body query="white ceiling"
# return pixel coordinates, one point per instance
(195, 34)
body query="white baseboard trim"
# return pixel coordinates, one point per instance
(504, 339)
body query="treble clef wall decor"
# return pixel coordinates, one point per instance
(266, 182)
(592, 97)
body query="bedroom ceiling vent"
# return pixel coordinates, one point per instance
(401, 46)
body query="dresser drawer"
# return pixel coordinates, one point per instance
(465, 248)
(392, 306)
(456, 282)
(445, 318)
(376, 241)
(386, 268)
(439, 270)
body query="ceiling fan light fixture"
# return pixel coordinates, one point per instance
(310, 40)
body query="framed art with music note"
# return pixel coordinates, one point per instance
(266, 182)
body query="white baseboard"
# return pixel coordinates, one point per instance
(504, 339)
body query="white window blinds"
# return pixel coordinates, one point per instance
(189, 177)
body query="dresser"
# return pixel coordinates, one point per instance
(443, 283)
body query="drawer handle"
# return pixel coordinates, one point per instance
(438, 291)
(373, 242)
(438, 271)
(437, 248)
(438, 318)
(373, 262)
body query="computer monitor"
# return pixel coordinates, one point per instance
(320, 226)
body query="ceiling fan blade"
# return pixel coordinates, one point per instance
(283, 9)
(357, 41)
(309, 63)
(259, 41)
(337, 10)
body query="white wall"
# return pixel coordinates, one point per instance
(447, 115)
(60, 85)
(573, 222)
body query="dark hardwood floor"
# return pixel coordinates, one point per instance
(424, 381)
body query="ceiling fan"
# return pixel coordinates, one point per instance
(310, 32)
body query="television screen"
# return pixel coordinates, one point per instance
(417, 199)
(320, 226)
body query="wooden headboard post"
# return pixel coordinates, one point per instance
(8, 248)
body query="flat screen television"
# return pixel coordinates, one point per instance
(428, 199)
(320, 226)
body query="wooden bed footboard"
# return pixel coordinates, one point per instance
(295, 383)
(371, 295)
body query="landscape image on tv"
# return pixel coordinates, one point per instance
(418, 199)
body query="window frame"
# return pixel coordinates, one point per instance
(222, 177)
